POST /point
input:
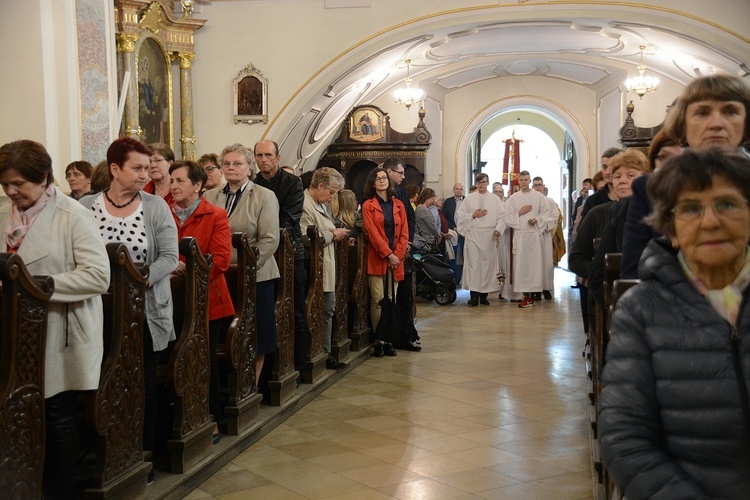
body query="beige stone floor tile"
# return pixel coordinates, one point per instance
(365, 399)
(436, 465)
(381, 475)
(423, 489)
(520, 491)
(378, 423)
(198, 494)
(363, 440)
(261, 453)
(311, 449)
(527, 470)
(395, 453)
(411, 433)
(368, 494)
(446, 444)
(567, 486)
(343, 462)
(273, 491)
(226, 482)
(475, 480)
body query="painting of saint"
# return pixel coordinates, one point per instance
(153, 93)
(366, 125)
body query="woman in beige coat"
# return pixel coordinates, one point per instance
(56, 236)
(325, 183)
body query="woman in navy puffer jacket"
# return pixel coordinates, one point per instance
(675, 410)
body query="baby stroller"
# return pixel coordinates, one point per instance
(435, 279)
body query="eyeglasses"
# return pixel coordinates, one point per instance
(399, 172)
(211, 168)
(378, 178)
(236, 164)
(727, 207)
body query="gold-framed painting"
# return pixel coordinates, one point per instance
(154, 77)
(366, 124)
(250, 96)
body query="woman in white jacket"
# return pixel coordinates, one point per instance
(56, 236)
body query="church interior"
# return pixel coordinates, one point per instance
(496, 404)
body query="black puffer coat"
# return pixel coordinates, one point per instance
(675, 417)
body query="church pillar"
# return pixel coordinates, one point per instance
(126, 47)
(187, 137)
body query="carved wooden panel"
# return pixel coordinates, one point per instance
(361, 289)
(24, 325)
(242, 342)
(314, 300)
(117, 407)
(284, 357)
(340, 333)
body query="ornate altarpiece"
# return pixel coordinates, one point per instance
(354, 152)
(149, 39)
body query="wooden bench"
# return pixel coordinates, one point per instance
(340, 341)
(240, 348)
(359, 299)
(315, 364)
(22, 427)
(283, 383)
(115, 410)
(187, 371)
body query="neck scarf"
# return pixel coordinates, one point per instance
(725, 300)
(183, 213)
(21, 220)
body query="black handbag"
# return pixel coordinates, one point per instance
(389, 327)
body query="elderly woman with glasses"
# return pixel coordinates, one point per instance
(675, 410)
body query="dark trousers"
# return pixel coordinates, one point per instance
(300, 315)
(62, 445)
(584, 291)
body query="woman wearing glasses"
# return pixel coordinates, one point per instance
(387, 232)
(143, 223)
(675, 416)
(210, 163)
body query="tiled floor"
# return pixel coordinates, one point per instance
(494, 407)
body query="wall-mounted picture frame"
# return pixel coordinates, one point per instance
(154, 93)
(250, 96)
(366, 124)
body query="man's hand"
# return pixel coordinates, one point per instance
(479, 212)
(532, 222)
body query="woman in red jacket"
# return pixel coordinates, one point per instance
(387, 232)
(209, 225)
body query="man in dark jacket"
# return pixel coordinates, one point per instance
(288, 190)
(397, 173)
(450, 205)
(605, 194)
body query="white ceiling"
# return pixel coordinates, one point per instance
(594, 46)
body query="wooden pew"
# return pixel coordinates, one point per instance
(115, 410)
(187, 372)
(316, 355)
(283, 383)
(24, 326)
(240, 348)
(340, 341)
(359, 329)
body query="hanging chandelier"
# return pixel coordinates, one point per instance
(408, 96)
(641, 84)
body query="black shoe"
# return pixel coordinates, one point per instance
(377, 351)
(547, 294)
(389, 350)
(216, 438)
(473, 302)
(577, 285)
(484, 301)
(538, 296)
(410, 346)
(333, 364)
(151, 475)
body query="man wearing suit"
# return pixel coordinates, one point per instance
(450, 205)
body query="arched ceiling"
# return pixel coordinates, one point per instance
(593, 45)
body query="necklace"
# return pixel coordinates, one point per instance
(106, 195)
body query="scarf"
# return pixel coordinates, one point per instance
(21, 220)
(184, 213)
(726, 300)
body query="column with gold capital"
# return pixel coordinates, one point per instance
(126, 49)
(187, 137)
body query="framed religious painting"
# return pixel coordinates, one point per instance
(154, 92)
(366, 124)
(250, 96)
